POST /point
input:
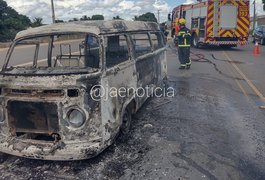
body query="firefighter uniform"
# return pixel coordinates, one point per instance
(184, 42)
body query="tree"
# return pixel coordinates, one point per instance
(11, 22)
(59, 21)
(84, 18)
(74, 19)
(263, 1)
(97, 17)
(36, 22)
(117, 17)
(146, 17)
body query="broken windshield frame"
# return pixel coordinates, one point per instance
(55, 54)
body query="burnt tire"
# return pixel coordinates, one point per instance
(126, 122)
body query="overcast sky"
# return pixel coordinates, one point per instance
(126, 9)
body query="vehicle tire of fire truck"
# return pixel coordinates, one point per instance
(195, 41)
(126, 122)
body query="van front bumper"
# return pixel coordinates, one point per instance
(61, 150)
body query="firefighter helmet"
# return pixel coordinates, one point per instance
(182, 21)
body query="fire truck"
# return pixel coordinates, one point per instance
(215, 22)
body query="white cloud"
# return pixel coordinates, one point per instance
(189, 2)
(259, 8)
(124, 5)
(69, 9)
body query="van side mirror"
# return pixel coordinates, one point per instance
(82, 45)
(169, 17)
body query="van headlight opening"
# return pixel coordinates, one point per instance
(76, 118)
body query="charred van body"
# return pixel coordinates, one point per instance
(53, 106)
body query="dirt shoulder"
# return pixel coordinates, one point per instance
(4, 44)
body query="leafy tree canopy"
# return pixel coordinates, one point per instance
(97, 17)
(85, 18)
(59, 21)
(36, 22)
(146, 17)
(11, 22)
(117, 17)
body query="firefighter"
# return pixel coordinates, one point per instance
(184, 42)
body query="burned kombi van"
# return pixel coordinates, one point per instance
(57, 86)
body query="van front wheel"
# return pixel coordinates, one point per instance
(126, 122)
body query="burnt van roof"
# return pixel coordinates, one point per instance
(94, 27)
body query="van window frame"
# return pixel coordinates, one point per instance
(132, 43)
(162, 40)
(104, 54)
(5, 67)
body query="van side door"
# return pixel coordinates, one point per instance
(160, 58)
(142, 51)
(118, 80)
(145, 66)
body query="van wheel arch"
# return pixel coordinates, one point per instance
(126, 116)
(132, 106)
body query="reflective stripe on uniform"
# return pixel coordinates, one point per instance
(183, 34)
(184, 45)
(188, 63)
(183, 65)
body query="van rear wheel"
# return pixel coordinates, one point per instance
(126, 122)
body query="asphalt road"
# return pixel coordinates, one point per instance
(3, 52)
(213, 128)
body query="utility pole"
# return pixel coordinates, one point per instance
(254, 15)
(53, 14)
(158, 16)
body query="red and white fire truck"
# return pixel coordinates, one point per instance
(218, 22)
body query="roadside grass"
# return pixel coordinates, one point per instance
(4, 45)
